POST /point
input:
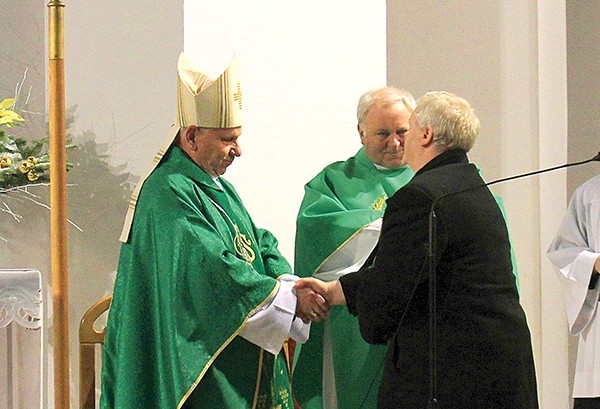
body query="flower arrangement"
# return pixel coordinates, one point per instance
(21, 162)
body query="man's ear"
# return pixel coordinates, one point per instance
(188, 137)
(361, 133)
(427, 136)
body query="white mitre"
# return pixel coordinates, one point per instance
(202, 100)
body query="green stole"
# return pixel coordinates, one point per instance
(339, 202)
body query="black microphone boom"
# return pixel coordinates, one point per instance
(432, 276)
(565, 165)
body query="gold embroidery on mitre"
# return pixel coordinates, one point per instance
(237, 96)
(205, 101)
(243, 246)
(379, 204)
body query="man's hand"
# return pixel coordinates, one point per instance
(331, 291)
(311, 306)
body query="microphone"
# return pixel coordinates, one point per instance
(565, 165)
(431, 255)
(519, 176)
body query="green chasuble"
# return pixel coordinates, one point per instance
(339, 202)
(194, 269)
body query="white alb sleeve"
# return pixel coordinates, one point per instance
(352, 254)
(275, 321)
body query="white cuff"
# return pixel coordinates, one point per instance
(275, 322)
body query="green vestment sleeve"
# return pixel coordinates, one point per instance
(337, 203)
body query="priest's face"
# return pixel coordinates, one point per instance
(382, 134)
(216, 148)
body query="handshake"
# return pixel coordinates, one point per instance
(315, 297)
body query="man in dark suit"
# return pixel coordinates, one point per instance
(483, 347)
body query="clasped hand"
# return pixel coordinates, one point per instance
(314, 299)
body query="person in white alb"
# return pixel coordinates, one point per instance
(575, 254)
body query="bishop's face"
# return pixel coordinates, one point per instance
(382, 134)
(216, 149)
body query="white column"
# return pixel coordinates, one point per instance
(552, 101)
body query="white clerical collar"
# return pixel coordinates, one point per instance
(379, 167)
(217, 181)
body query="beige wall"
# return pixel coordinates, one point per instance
(583, 55)
(510, 59)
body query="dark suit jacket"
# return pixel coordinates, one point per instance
(484, 354)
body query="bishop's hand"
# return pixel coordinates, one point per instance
(311, 306)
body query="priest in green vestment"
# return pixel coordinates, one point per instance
(337, 228)
(204, 302)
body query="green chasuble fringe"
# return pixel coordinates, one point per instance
(195, 268)
(338, 202)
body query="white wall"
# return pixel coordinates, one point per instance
(552, 338)
(120, 59)
(304, 66)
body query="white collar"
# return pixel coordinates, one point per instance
(217, 181)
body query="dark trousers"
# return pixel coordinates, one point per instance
(587, 403)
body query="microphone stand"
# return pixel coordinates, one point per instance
(432, 309)
(431, 254)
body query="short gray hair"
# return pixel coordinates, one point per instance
(452, 119)
(383, 97)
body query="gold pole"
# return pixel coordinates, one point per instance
(58, 203)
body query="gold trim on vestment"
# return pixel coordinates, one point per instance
(258, 379)
(379, 203)
(241, 243)
(138, 187)
(227, 342)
